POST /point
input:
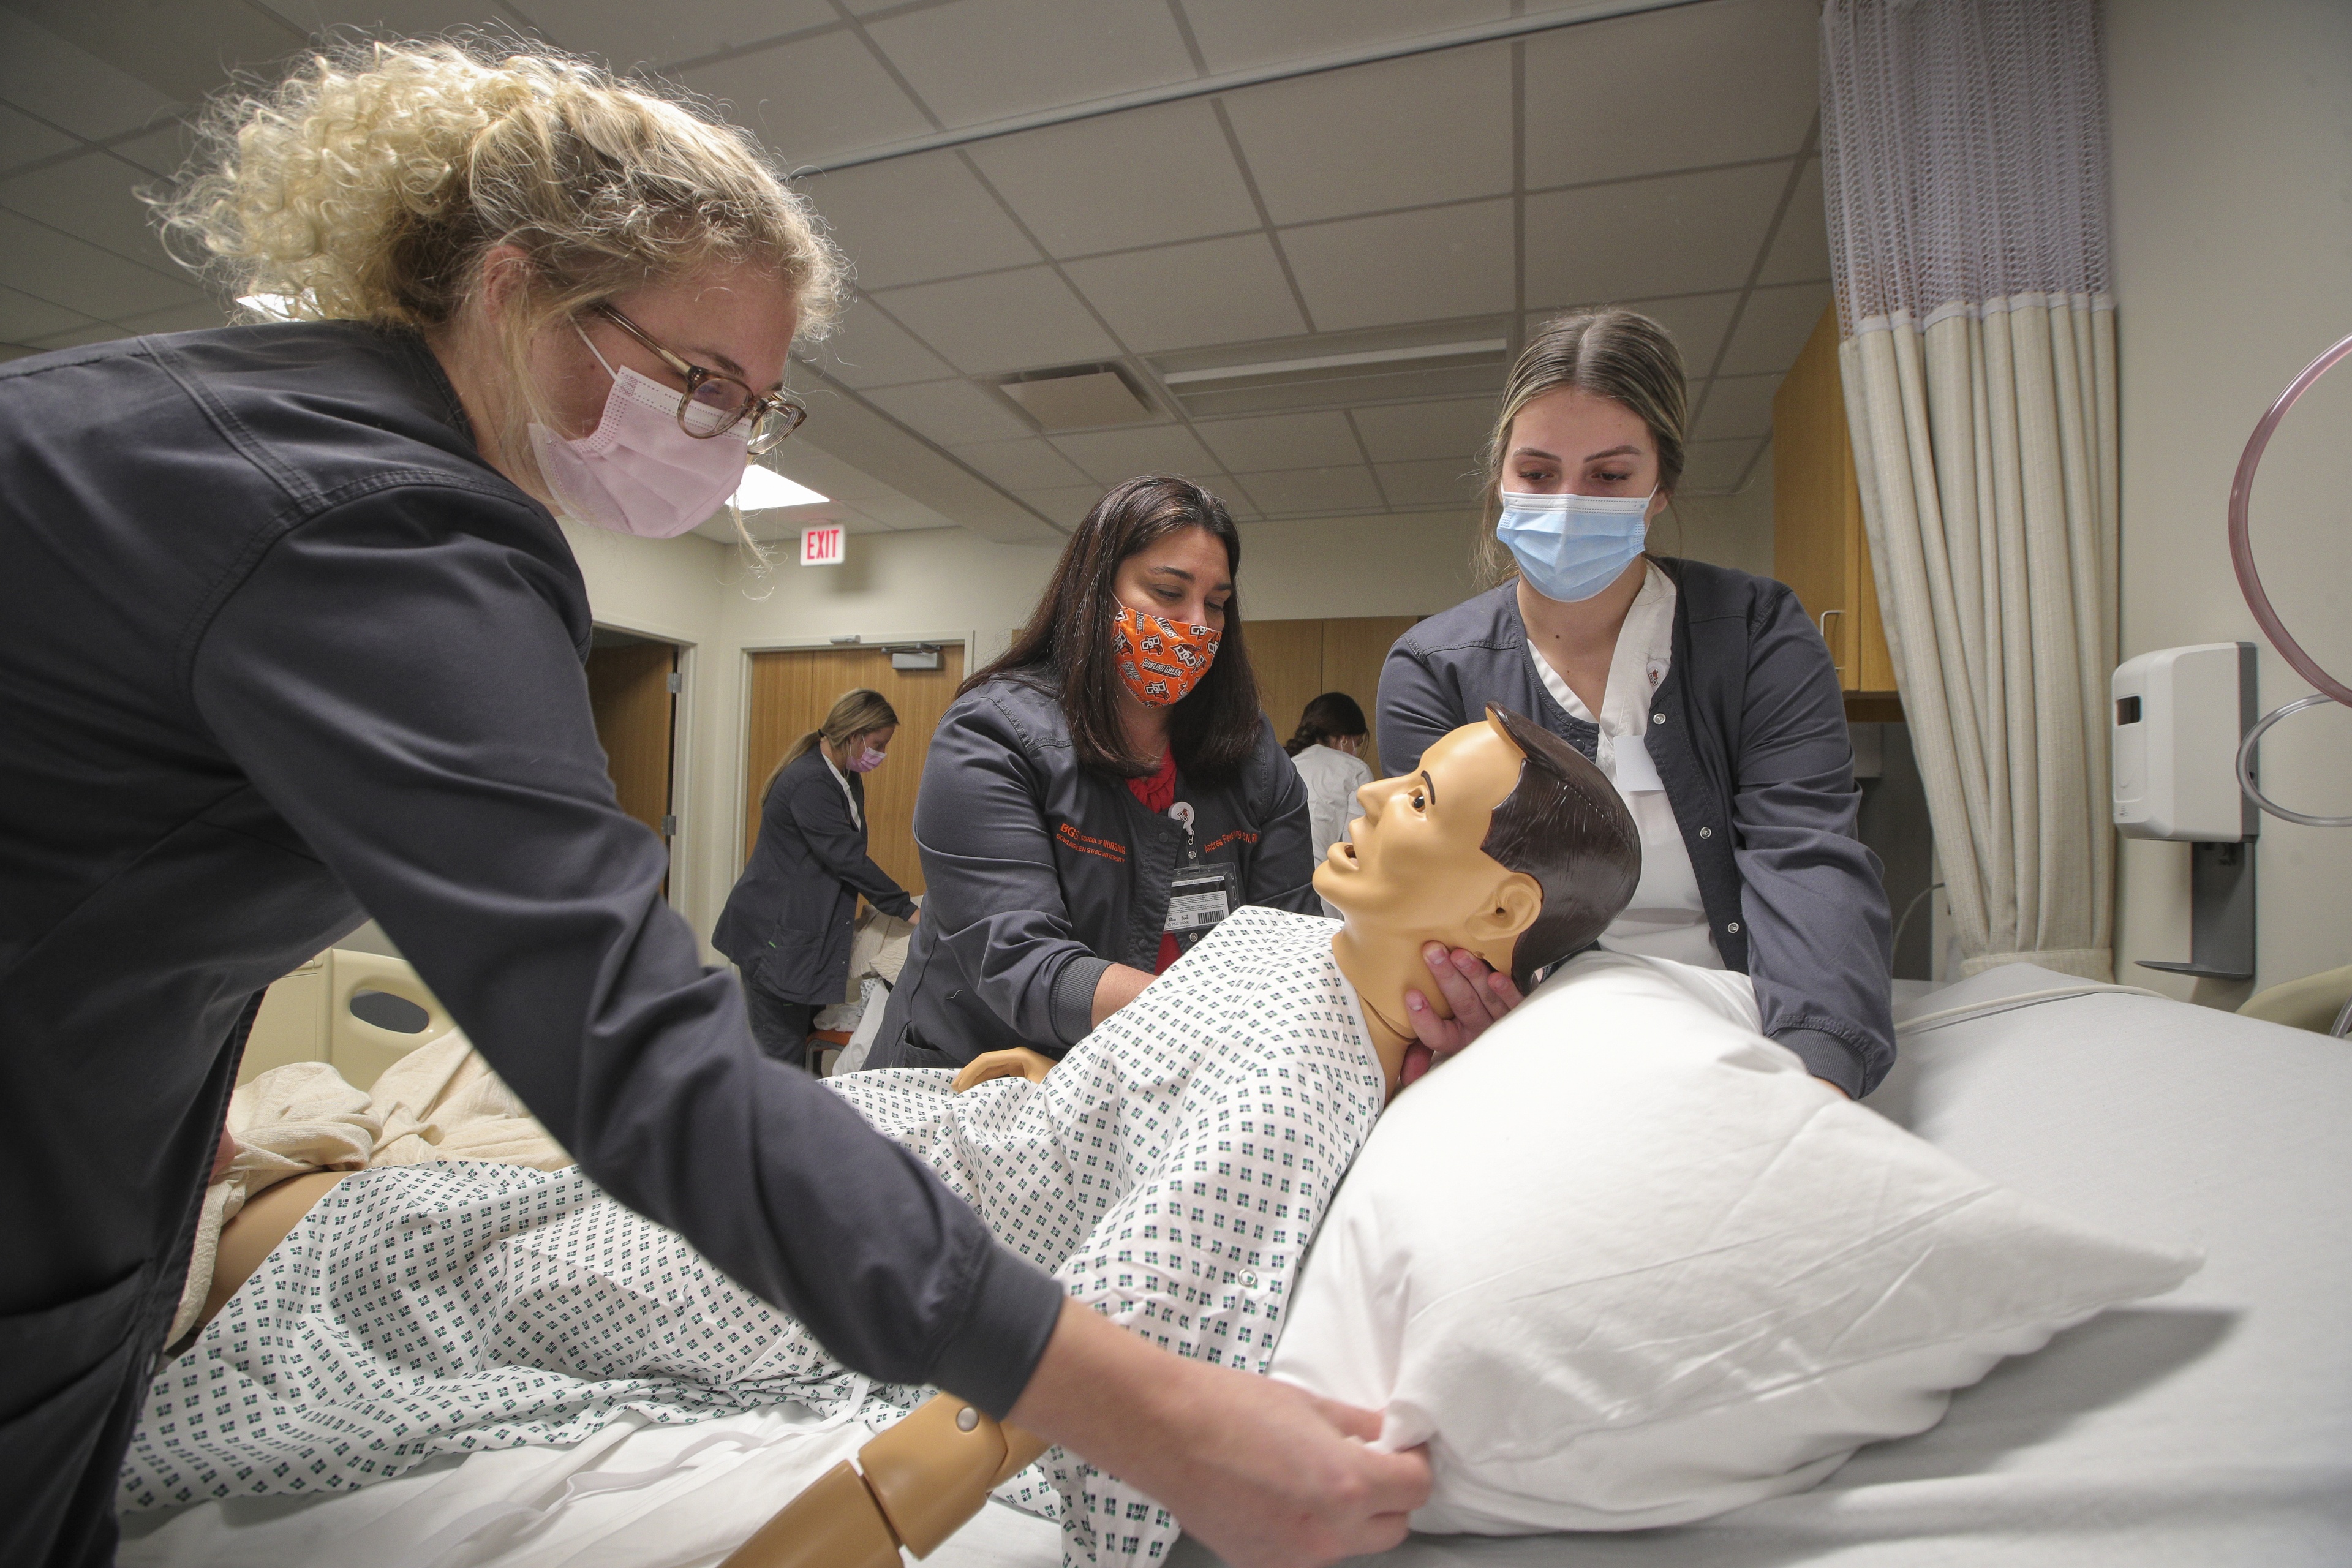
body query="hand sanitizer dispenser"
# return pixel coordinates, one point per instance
(2178, 718)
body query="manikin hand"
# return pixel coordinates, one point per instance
(1018, 1062)
(1478, 995)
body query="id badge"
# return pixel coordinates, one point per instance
(1199, 895)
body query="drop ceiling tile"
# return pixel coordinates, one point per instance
(1673, 90)
(801, 461)
(91, 198)
(952, 413)
(74, 337)
(1433, 127)
(81, 276)
(1024, 464)
(1677, 233)
(24, 318)
(1737, 406)
(869, 349)
(1716, 465)
(1774, 326)
(1281, 440)
(628, 32)
(1696, 322)
(1111, 456)
(42, 74)
(394, 18)
(811, 98)
(1144, 177)
(23, 139)
(1433, 482)
(1024, 320)
(1228, 290)
(195, 316)
(1405, 266)
(1064, 504)
(911, 220)
(160, 152)
(1339, 487)
(903, 515)
(1455, 429)
(1235, 34)
(983, 59)
(1801, 251)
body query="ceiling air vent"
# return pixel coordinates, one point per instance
(1337, 371)
(1078, 397)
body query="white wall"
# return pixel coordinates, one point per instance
(1728, 530)
(2231, 131)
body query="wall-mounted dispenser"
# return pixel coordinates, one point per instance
(2178, 718)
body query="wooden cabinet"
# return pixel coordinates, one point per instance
(1819, 547)
(1297, 661)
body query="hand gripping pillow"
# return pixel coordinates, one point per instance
(1624, 1264)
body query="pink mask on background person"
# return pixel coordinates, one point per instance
(638, 472)
(867, 760)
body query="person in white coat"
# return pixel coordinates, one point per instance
(1328, 752)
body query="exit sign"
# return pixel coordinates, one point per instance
(823, 546)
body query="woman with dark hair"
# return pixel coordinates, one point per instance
(790, 921)
(1706, 695)
(1098, 798)
(1328, 749)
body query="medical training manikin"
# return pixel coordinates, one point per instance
(1170, 1170)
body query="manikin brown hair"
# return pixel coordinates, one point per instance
(1565, 824)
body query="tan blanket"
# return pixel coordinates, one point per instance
(441, 1101)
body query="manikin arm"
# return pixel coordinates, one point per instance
(914, 1486)
(1019, 1061)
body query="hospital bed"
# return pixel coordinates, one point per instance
(2212, 1426)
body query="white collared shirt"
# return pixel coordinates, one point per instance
(1667, 918)
(857, 819)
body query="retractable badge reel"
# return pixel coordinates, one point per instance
(1199, 893)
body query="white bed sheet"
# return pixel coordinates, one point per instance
(2213, 1426)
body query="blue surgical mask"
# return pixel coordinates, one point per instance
(1569, 547)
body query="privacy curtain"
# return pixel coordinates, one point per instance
(1965, 167)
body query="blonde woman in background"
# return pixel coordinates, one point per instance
(294, 638)
(1705, 694)
(788, 924)
(1328, 749)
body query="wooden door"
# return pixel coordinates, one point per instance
(790, 692)
(1820, 547)
(1297, 661)
(635, 711)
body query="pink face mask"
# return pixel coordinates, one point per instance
(867, 760)
(638, 472)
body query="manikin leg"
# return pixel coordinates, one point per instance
(914, 1486)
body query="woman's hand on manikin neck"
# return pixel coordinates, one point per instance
(1572, 441)
(737, 319)
(1183, 578)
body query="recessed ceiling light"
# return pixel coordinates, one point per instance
(1285, 367)
(276, 307)
(764, 490)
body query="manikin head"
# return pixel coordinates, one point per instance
(1504, 841)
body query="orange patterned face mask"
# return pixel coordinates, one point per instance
(1160, 660)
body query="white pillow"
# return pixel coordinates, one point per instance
(1623, 1263)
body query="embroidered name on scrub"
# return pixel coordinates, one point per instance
(1200, 892)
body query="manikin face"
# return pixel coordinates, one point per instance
(1415, 866)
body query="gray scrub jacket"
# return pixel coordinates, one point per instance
(1041, 874)
(789, 923)
(1750, 736)
(283, 649)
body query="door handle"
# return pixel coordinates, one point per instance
(1824, 625)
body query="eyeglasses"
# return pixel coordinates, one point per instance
(713, 404)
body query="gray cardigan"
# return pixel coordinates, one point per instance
(1750, 736)
(1041, 874)
(285, 652)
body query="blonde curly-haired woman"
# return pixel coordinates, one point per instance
(294, 635)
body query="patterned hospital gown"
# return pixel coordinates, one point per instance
(1171, 1172)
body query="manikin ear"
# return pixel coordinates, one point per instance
(1512, 907)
